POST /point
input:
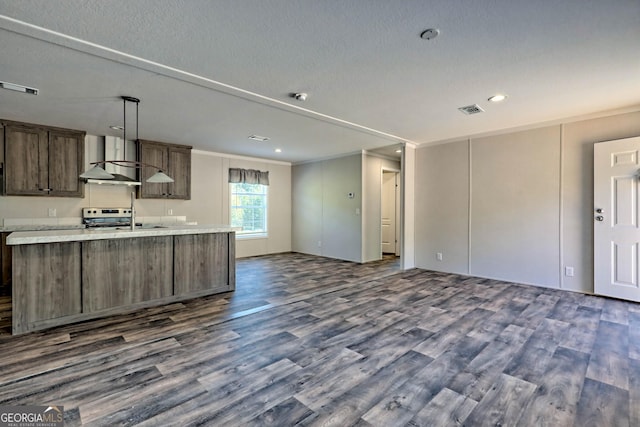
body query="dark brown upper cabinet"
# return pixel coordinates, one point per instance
(42, 161)
(172, 159)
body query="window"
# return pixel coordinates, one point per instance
(249, 208)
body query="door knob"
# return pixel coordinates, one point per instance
(599, 218)
(599, 210)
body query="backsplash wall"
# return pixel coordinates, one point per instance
(94, 195)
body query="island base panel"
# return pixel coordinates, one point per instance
(46, 283)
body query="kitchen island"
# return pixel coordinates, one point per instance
(65, 276)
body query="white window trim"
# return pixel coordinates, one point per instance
(250, 235)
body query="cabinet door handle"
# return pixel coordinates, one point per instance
(44, 189)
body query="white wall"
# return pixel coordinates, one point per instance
(209, 202)
(307, 219)
(325, 221)
(442, 207)
(524, 200)
(514, 229)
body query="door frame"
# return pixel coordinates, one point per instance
(604, 214)
(398, 208)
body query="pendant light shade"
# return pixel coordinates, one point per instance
(160, 178)
(96, 172)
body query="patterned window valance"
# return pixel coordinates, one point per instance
(248, 176)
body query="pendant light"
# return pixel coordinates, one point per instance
(98, 173)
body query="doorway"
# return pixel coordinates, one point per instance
(390, 212)
(616, 218)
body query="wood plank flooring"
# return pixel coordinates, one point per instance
(319, 342)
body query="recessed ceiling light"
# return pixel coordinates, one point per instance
(115, 127)
(259, 138)
(498, 98)
(399, 150)
(429, 34)
(278, 150)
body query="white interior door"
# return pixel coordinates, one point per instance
(388, 212)
(616, 233)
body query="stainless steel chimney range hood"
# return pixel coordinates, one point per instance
(108, 153)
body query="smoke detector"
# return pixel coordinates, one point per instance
(471, 109)
(430, 34)
(300, 96)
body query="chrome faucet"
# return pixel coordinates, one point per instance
(133, 210)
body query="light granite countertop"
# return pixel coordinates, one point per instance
(35, 227)
(76, 235)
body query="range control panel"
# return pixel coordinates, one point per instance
(106, 212)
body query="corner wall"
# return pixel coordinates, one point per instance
(409, 190)
(326, 221)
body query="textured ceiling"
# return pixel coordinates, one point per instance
(211, 73)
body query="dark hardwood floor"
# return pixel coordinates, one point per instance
(313, 341)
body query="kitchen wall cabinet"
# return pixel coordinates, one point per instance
(174, 160)
(42, 161)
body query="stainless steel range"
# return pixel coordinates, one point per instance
(106, 217)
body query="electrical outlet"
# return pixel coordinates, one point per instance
(52, 212)
(319, 243)
(568, 271)
(169, 211)
(439, 256)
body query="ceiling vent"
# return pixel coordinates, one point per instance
(19, 88)
(471, 109)
(259, 138)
